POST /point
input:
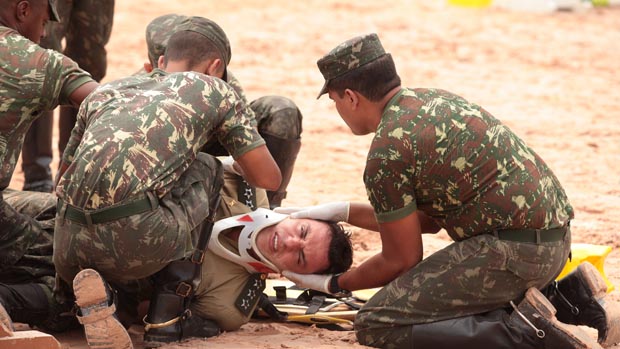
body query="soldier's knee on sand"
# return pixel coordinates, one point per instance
(278, 116)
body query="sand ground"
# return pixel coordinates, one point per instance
(551, 77)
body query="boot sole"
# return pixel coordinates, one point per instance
(595, 282)
(578, 338)
(588, 273)
(102, 329)
(6, 324)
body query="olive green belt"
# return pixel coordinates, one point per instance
(534, 236)
(148, 202)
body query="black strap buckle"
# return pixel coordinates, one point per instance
(184, 289)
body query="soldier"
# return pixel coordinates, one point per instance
(32, 80)
(86, 26)
(437, 162)
(230, 281)
(27, 293)
(136, 196)
(278, 118)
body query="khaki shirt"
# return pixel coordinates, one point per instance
(222, 280)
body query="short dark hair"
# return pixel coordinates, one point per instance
(373, 80)
(192, 47)
(340, 254)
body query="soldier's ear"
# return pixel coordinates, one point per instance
(160, 62)
(23, 10)
(148, 67)
(215, 68)
(351, 98)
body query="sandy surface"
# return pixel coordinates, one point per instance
(552, 77)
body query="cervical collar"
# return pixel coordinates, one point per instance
(251, 224)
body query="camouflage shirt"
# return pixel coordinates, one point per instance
(32, 80)
(436, 152)
(141, 133)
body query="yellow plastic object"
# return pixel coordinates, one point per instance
(365, 295)
(470, 3)
(594, 254)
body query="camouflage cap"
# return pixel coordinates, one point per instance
(159, 31)
(211, 31)
(53, 12)
(348, 56)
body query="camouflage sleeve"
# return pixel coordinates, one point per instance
(44, 75)
(236, 85)
(63, 77)
(236, 133)
(390, 188)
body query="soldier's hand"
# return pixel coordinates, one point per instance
(317, 282)
(334, 211)
(228, 165)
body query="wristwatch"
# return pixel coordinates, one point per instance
(335, 289)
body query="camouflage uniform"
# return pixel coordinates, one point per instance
(32, 80)
(278, 119)
(435, 152)
(115, 159)
(26, 288)
(36, 264)
(86, 26)
(222, 281)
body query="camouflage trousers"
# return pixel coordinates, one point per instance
(275, 115)
(279, 122)
(469, 277)
(28, 217)
(138, 246)
(86, 26)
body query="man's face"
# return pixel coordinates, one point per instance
(297, 245)
(33, 24)
(344, 108)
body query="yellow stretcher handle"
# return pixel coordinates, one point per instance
(318, 319)
(594, 254)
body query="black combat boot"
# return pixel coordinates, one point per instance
(38, 176)
(199, 327)
(168, 319)
(532, 325)
(175, 284)
(284, 152)
(581, 299)
(30, 304)
(168, 309)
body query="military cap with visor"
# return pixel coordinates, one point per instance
(159, 31)
(349, 56)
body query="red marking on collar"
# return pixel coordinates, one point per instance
(261, 268)
(246, 218)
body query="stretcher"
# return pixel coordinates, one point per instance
(306, 306)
